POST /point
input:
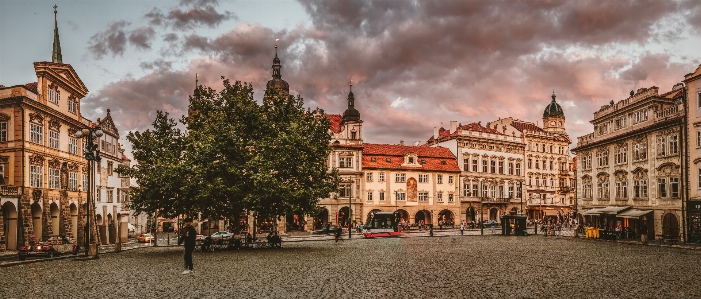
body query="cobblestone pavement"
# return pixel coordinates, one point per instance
(438, 267)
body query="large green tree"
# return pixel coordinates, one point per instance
(237, 155)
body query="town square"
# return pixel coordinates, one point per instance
(284, 149)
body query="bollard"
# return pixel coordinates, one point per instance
(168, 239)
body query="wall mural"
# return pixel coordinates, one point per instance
(412, 193)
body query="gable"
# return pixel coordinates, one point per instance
(62, 74)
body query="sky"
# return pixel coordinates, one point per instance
(415, 65)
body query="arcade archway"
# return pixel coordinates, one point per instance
(321, 219)
(294, 222)
(403, 215)
(342, 217)
(422, 217)
(493, 214)
(446, 218)
(670, 226)
(470, 215)
(9, 219)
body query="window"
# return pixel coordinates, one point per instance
(110, 196)
(423, 196)
(484, 165)
(661, 146)
(399, 178)
(518, 169)
(603, 189)
(382, 196)
(353, 135)
(537, 181)
(344, 191)
(620, 123)
(368, 176)
(36, 133)
(519, 192)
(73, 146)
(85, 182)
(450, 197)
(73, 181)
(36, 176)
(537, 164)
(72, 106)
(466, 164)
(587, 190)
(400, 196)
(662, 187)
(475, 190)
(53, 139)
(54, 178)
(640, 188)
(3, 131)
(698, 99)
(621, 189)
(440, 197)
(466, 189)
(501, 191)
(54, 96)
(603, 158)
(450, 179)
(698, 137)
(370, 196)
(423, 178)
(674, 186)
(640, 116)
(551, 165)
(501, 167)
(411, 160)
(511, 168)
(381, 176)
(621, 155)
(544, 162)
(673, 144)
(343, 162)
(640, 151)
(494, 166)
(439, 179)
(474, 165)
(530, 166)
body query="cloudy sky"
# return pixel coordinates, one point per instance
(414, 64)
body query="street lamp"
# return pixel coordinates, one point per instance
(481, 214)
(350, 190)
(92, 154)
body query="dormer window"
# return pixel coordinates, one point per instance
(423, 161)
(353, 133)
(388, 160)
(373, 159)
(411, 160)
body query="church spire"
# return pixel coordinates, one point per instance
(56, 56)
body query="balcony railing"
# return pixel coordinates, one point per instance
(9, 190)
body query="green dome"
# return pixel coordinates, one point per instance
(553, 109)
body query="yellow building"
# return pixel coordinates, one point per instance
(41, 160)
(693, 147)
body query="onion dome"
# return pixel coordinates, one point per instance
(553, 109)
(351, 114)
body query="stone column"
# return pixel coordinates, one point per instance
(27, 218)
(65, 214)
(2, 229)
(47, 220)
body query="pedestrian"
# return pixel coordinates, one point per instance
(462, 228)
(188, 237)
(492, 227)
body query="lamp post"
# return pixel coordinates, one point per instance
(520, 188)
(92, 154)
(481, 220)
(349, 207)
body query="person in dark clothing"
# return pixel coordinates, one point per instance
(188, 237)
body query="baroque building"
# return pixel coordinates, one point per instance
(548, 165)
(492, 169)
(630, 168)
(41, 159)
(693, 160)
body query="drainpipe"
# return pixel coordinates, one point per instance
(685, 171)
(20, 225)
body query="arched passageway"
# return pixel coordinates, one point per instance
(446, 218)
(9, 219)
(321, 219)
(494, 214)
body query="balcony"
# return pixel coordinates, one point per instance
(6, 190)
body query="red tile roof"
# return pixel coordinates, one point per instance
(31, 86)
(435, 158)
(335, 120)
(444, 134)
(124, 157)
(521, 126)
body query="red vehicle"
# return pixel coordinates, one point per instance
(382, 224)
(52, 247)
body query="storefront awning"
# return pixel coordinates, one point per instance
(594, 211)
(633, 213)
(613, 210)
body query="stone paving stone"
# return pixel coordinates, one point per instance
(416, 267)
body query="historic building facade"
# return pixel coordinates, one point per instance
(111, 189)
(629, 172)
(492, 169)
(419, 182)
(693, 147)
(548, 177)
(41, 159)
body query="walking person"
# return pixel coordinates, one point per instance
(188, 237)
(462, 228)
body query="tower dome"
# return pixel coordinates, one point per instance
(351, 114)
(553, 109)
(277, 82)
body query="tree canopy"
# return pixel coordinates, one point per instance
(236, 155)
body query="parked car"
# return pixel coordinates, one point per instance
(49, 249)
(221, 235)
(145, 238)
(199, 237)
(488, 223)
(325, 230)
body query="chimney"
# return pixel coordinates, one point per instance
(435, 133)
(401, 142)
(453, 126)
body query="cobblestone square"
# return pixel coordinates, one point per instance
(438, 267)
